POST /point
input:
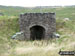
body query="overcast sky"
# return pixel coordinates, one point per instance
(32, 3)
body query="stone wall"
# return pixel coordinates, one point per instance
(45, 20)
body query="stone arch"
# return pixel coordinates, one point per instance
(37, 32)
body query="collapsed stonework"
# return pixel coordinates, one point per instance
(37, 26)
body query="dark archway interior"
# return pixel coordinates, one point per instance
(37, 32)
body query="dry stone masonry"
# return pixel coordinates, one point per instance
(37, 26)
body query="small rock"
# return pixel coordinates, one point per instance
(66, 19)
(56, 35)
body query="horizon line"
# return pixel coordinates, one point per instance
(38, 6)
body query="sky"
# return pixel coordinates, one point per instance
(33, 3)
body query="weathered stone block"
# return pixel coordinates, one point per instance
(37, 25)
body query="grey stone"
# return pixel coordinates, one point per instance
(37, 25)
(18, 36)
(56, 35)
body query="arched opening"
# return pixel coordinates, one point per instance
(37, 32)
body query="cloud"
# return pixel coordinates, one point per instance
(32, 3)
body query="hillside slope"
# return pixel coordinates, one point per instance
(61, 12)
(9, 26)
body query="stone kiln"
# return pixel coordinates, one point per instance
(37, 26)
